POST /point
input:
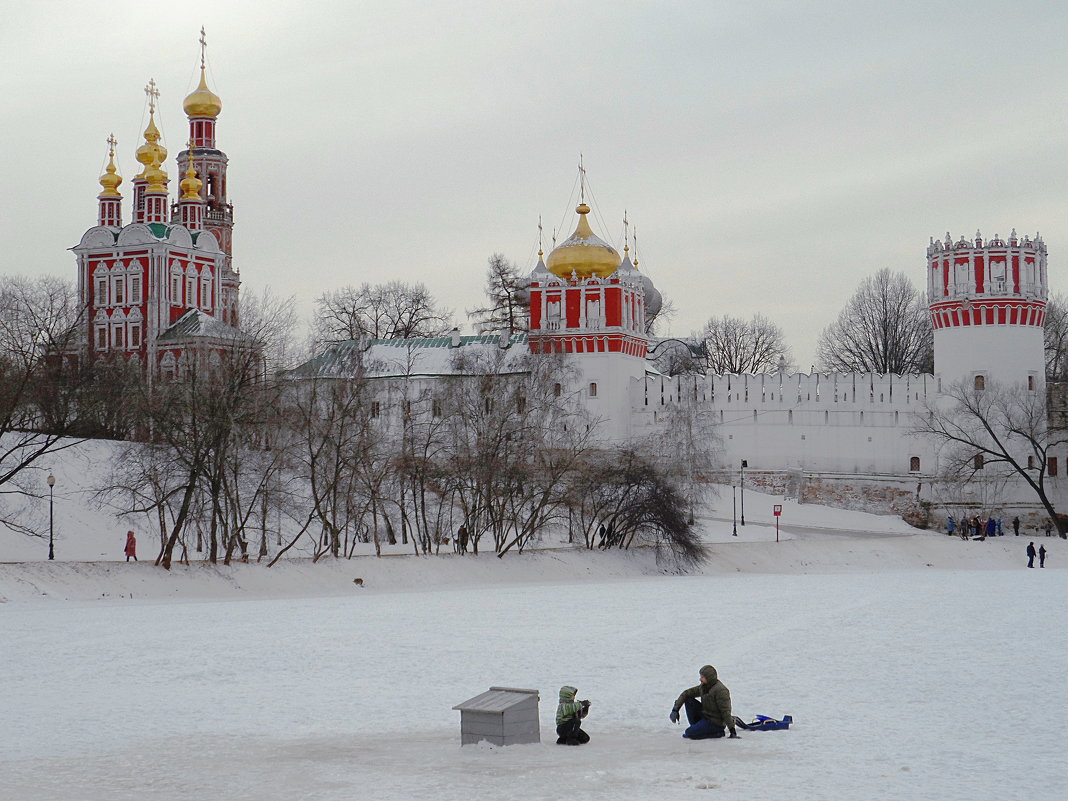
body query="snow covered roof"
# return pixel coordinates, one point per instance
(419, 357)
(195, 324)
(497, 699)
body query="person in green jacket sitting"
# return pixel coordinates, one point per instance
(708, 707)
(569, 715)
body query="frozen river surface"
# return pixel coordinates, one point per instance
(911, 685)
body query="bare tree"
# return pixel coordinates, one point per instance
(735, 345)
(395, 310)
(507, 303)
(885, 328)
(655, 324)
(1000, 429)
(39, 327)
(1055, 333)
(637, 504)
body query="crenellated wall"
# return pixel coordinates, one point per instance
(824, 422)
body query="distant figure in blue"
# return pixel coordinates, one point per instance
(951, 525)
(1000, 532)
(991, 527)
(1030, 554)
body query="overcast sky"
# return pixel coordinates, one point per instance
(771, 155)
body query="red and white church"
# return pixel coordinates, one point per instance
(161, 289)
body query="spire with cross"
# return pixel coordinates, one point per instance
(203, 46)
(540, 230)
(626, 230)
(112, 144)
(153, 95)
(582, 181)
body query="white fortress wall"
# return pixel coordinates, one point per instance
(854, 423)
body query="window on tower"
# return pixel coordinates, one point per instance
(191, 291)
(978, 462)
(116, 336)
(101, 337)
(176, 289)
(135, 289)
(1051, 464)
(101, 292)
(135, 335)
(593, 390)
(1030, 383)
(980, 382)
(205, 293)
(119, 293)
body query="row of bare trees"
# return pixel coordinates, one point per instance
(238, 466)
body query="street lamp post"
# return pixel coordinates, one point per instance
(51, 546)
(745, 464)
(734, 496)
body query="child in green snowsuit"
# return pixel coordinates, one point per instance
(569, 715)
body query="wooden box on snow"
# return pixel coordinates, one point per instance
(502, 716)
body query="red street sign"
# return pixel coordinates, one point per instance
(777, 509)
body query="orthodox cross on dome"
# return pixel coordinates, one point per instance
(203, 46)
(626, 230)
(634, 236)
(153, 95)
(540, 230)
(582, 181)
(112, 144)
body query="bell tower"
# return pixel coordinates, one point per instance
(202, 107)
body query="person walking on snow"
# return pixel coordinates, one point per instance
(1016, 525)
(1049, 527)
(1030, 554)
(1041, 555)
(951, 524)
(131, 546)
(708, 707)
(569, 715)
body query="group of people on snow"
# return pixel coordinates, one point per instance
(707, 705)
(1031, 554)
(979, 528)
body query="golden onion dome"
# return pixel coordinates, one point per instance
(151, 152)
(111, 179)
(190, 185)
(202, 102)
(583, 253)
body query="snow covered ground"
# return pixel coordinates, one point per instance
(915, 665)
(916, 684)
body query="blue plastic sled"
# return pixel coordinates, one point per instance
(764, 723)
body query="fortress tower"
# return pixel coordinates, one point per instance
(988, 305)
(587, 301)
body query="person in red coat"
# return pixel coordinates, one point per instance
(131, 546)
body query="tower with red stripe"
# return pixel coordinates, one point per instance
(587, 301)
(987, 300)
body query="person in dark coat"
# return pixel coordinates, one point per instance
(991, 527)
(951, 524)
(461, 540)
(1030, 554)
(131, 546)
(1041, 555)
(708, 707)
(1049, 527)
(1016, 526)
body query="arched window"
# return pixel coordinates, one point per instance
(914, 464)
(980, 382)
(593, 390)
